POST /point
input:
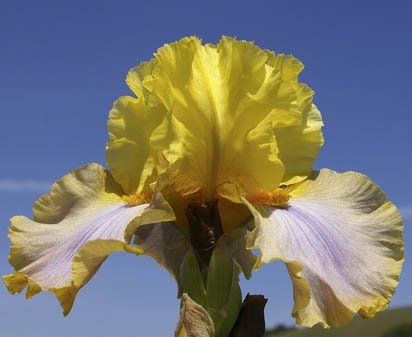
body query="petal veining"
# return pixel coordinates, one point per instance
(342, 241)
(53, 268)
(92, 222)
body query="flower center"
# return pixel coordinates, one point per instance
(205, 229)
(278, 198)
(137, 199)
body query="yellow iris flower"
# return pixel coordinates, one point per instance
(228, 124)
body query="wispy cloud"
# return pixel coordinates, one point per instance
(406, 212)
(24, 186)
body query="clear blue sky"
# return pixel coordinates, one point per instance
(63, 63)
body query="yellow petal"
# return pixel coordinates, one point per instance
(300, 145)
(342, 242)
(76, 227)
(128, 153)
(225, 107)
(140, 77)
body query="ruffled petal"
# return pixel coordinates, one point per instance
(299, 145)
(342, 242)
(128, 154)
(140, 77)
(223, 109)
(76, 227)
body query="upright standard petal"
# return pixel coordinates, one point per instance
(298, 145)
(84, 219)
(342, 242)
(165, 243)
(223, 107)
(128, 153)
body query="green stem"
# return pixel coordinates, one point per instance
(210, 277)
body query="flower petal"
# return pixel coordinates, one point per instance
(128, 154)
(76, 227)
(299, 145)
(218, 96)
(223, 109)
(139, 78)
(342, 242)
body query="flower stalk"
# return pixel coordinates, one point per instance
(205, 229)
(211, 278)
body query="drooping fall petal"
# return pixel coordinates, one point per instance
(342, 242)
(75, 227)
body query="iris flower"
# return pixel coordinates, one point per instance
(228, 125)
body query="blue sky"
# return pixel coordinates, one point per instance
(62, 64)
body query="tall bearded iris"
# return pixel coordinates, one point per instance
(211, 161)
